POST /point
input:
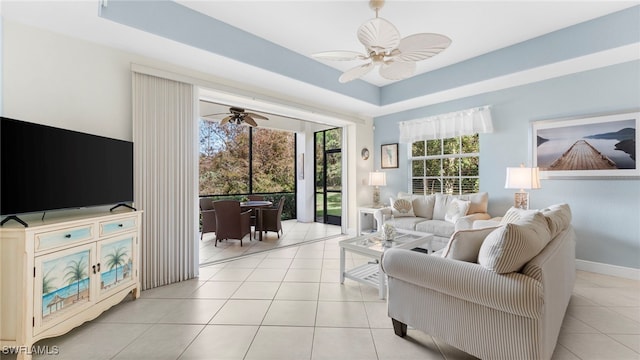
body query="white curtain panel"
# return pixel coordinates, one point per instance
(459, 123)
(165, 173)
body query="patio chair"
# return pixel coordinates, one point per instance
(272, 218)
(231, 222)
(208, 216)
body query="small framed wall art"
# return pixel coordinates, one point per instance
(603, 146)
(389, 156)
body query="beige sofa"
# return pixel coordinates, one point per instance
(504, 305)
(429, 214)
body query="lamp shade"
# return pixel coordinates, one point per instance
(522, 178)
(377, 178)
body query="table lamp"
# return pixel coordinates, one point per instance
(377, 179)
(522, 178)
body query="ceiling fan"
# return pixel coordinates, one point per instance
(238, 116)
(396, 57)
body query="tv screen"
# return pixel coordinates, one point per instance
(45, 168)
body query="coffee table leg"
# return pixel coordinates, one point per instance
(342, 255)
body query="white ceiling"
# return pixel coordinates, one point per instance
(306, 27)
(476, 27)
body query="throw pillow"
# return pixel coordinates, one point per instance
(401, 207)
(456, 209)
(514, 214)
(464, 245)
(511, 246)
(558, 218)
(423, 206)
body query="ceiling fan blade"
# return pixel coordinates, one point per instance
(226, 120)
(421, 46)
(214, 114)
(257, 116)
(356, 72)
(339, 55)
(249, 120)
(397, 70)
(379, 35)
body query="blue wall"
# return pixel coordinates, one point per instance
(606, 213)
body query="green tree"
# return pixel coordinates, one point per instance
(224, 159)
(76, 272)
(116, 258)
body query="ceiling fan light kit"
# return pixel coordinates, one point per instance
(396, 57)
(238, 116)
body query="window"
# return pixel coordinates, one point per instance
(446, 165)
(238, 160)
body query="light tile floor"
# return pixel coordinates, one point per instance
(288, 304)
(293, 232)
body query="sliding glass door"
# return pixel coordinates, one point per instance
(328, 176)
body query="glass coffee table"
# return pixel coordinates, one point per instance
(371, 245)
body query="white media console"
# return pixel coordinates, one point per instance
(57, 274)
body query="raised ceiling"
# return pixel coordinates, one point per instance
(266, 47)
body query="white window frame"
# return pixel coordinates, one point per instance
(441, 177)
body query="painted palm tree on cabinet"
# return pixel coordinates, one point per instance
(116, 259)
(47, 283)
(76, 271)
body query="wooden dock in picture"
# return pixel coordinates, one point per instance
(582, 156)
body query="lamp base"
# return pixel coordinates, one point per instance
(521, 200)
(376, 197)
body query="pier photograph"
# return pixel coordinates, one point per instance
(584, 146)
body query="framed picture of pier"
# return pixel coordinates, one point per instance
(602, 146)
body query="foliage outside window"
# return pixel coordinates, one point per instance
(239, 160)
(328, 144)
(450, 166)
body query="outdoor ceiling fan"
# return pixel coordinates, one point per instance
(396, 57)
(238, 116)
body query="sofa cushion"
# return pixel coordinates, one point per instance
(436, 227)
(558, 218)
(510, 246)
(456, 209)
(479, 202)
(464, 245)
(407, 223)
(440, 206)
(423, 206)
(401, 207)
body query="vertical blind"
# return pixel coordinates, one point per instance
(459, 123)
(165, 178)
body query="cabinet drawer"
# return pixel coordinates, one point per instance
(57, 238)
(117, 226)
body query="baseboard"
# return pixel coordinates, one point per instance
(607, 269)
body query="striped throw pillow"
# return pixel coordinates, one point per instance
(511, 246)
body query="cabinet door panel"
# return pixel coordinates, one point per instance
(62, 285)
(117, 258)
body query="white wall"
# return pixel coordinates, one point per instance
(59, 81)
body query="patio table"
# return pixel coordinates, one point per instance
(257, 206)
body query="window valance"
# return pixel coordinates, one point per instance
(465, 122)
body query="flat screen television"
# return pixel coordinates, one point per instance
(44, 168)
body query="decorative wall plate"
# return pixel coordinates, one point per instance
(364, 153)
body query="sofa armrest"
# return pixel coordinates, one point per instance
(466, 222)
(381, 215)
(513, 293)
